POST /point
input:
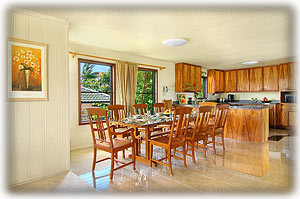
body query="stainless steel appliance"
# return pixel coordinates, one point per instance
(290, 99)
(230, 98)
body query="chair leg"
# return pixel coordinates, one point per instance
(193, 153)
(184, 155)
(124, 153)
(204, 146)
(214, 143)
(112, 164)
(94, 160)
(166, 153)
(133, 156)
(223, 142)
(169, 161)
(151, 153)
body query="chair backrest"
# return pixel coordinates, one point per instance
(180, 124)
(212, 104)
(168, 104)
(116, 112)
(159, 107)
(202, 120)
(221, 115)
(140, 108)
(98, 117)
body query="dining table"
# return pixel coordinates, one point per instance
(148, 124)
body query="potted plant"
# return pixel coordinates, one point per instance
(193, 87)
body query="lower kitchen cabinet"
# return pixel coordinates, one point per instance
(273, 116)
(286, 115)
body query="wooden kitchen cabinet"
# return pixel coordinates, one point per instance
(243, 80)
(215, 81)
(230, 81)
(271, 78)
(286, 114)
(187, 73)
(287, 76)
(273, 115)
(256, 79)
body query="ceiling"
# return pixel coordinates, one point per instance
(218, 37)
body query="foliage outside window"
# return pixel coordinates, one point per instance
(145, 90)
(96, 86)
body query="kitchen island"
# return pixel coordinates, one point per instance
(246, 122)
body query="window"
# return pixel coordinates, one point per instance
(146, 89)
(96, 86)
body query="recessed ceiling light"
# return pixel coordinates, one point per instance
(250, 62)
(174, 42)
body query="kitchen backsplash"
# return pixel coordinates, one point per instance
(249, 95)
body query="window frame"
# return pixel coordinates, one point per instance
(113, 71)
(155, 82)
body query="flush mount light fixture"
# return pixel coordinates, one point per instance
(174, 42)
(250, 62)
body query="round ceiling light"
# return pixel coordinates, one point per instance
(250, 62)
(174, 42)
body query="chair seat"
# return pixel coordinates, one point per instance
(119, 143)
(198, 136)
(164, 141)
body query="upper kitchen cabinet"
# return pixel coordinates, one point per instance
(215, 81)
(256, 79)
(271, 78)
(230, 81)
(187, 73)
(243, 81)
(287, 76)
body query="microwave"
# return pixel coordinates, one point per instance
(290, 99)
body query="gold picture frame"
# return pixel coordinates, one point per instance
(27, 73)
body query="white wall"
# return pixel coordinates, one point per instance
(39, 131)
(80, 134)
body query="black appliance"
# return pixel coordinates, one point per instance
(230, 98)
(288, 97)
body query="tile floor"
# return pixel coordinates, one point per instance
(243, 168)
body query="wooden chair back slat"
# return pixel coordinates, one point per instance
(98, 116)
(221, 115)
(202, 120)
(159, 107)
(116, 112)
(180, 124)
(141, 109)
(212, 104)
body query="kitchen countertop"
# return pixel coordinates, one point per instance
(233, 105)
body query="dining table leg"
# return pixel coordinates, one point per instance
(147, 132)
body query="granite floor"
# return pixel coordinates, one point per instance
(243, 168)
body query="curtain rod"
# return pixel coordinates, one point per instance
(74, 54)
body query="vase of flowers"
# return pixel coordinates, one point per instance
(193, 87)
(27, 63)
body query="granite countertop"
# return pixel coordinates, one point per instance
(237, 105)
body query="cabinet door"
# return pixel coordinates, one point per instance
(272, 115)
(291, 76)
(219, 81)
(178, 78)
(271, 78)
(198, 77)
(284, 118)
(210, 81)
(243, 82)
(186, 76)
(230, 81)
(256, 80)
(283, 76)
(292, 118)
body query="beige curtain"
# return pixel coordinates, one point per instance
(133, 71)
(122, 72)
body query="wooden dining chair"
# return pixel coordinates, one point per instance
(197, 133)
(106, 139)
(141, 109)
(118, 112)
(217, 129)
(159, 107)
(173, 139)
(212, 104)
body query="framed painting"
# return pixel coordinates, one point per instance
(27, 70)
(182, 98)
